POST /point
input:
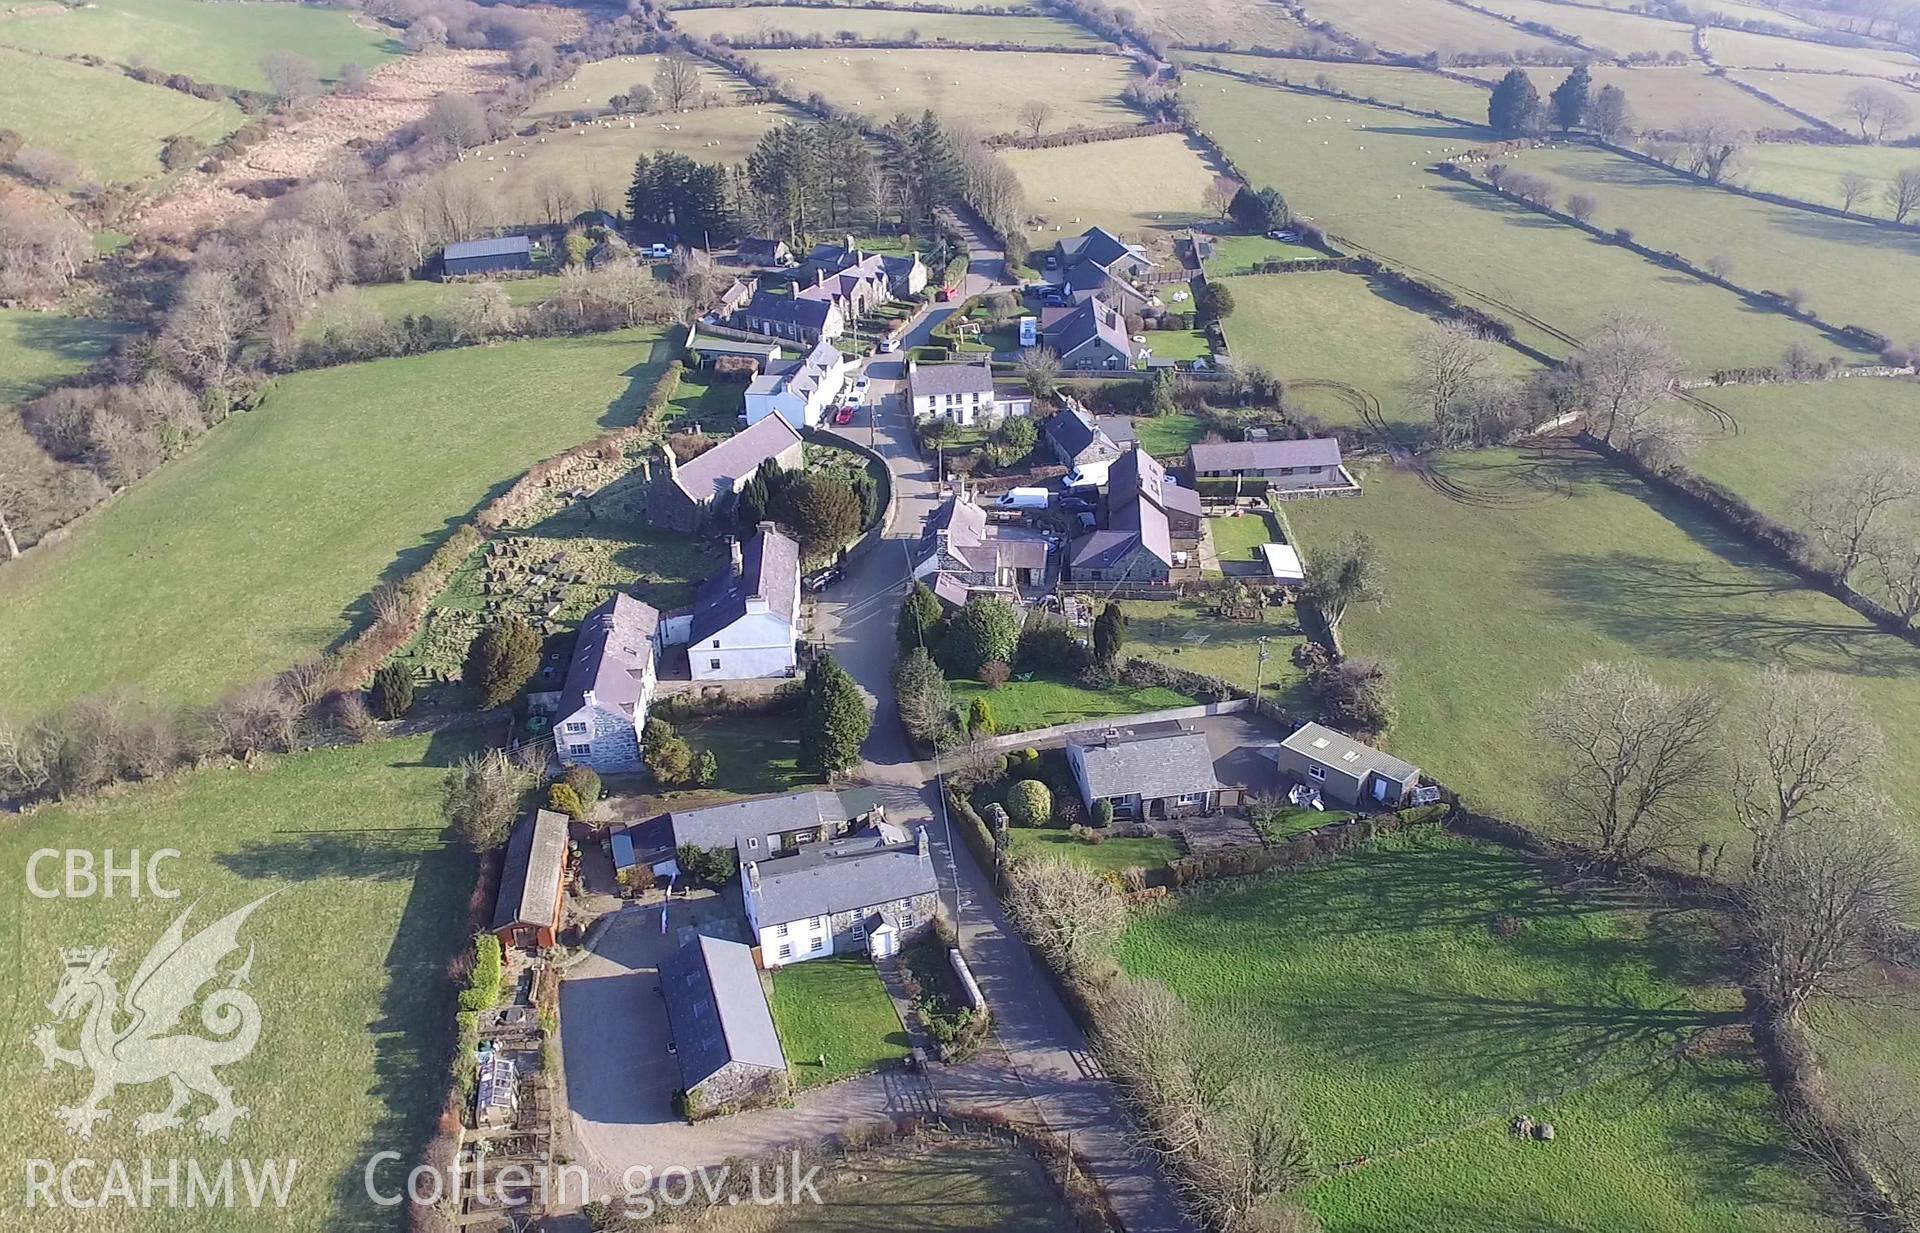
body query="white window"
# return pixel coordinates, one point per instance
(819, 944)
(819, 922)
(574, 725)
(579, 751)
(908, 920)
(713, 665)
(1316, 772)
(786, 951)
(1192, 798)
(779, 931)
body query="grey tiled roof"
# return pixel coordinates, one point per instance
(841, 876)
(1087, 321)
(951, 379)
(1150, 766)
(787, 308)
(610, 655)
(769, 570)
(499, 246)
(717, 1009)
(1340, 751)
(530, 877)
(1262, 455)
(719, 470)
(1136, 475)
(1076, 436)
(1095, 244)
(724, 826)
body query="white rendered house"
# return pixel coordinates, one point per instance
(799, 391)
(745, 617)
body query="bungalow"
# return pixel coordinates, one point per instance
(1135, 476)
(962, 393)
(1080, 444)
(532, 880)
(1287, 466)
(723, 1036)
(868, 891)
(962, 552)
(800, 318)
(799, 391)
(744, 618)
(1088, 335)
(1156, 772)
(609, 685)
(691, 494)
(500, 254)
(1099, 247)
(756, 251)
(1349, 773)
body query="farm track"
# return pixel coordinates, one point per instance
(1722, 418)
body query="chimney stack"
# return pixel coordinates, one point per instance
(733, 554)
(920, 840)
(753, 874)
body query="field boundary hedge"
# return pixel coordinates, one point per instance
(1083, 136)
(1740, 190)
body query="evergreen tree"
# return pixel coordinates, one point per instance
(980, 718)
(834, 720)
(501, 660)
(923, 697)
(1514, 108)
(392, 691)
(920, 618)
(666, 754)
(821, 511)
(1570, 99)
(1259, 209)
(985, 631)
(1109, 633)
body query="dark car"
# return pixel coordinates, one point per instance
(822, 580)
(1076, 505)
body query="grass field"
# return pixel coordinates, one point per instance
(1812, 173)
(1574, 562)
(1854, 272)
(1602, 29)
(1871, 1045)
(593, 83)
(36, 348)
(1406, 87)
(1738, 49)
(350, 843)
(837, 1008)
(1421, 26)
(1820, 94)
(221, 43)
(1108, 855)
(1341, 328)
(981, 89)
(1663, 98)
(935, 1182)
(1242, 254)
(1362, 174)
(183, 586)
(417, 297)
(1247, 23)
(1022, 706)
(1143, 183)
(1185, 634)
(765, 23)
(1792, 435)
(1411, 1033)
(108, 123)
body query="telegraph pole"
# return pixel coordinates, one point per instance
(1259, 670)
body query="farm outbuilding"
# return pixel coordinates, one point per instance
(1347, 771)
(532, 882)
(498, 255)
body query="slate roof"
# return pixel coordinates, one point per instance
(769, 570)
(1076, 436)
(1119, 429)
(1135, 475)
(1085, 322)
(981, 546)
(1137, 522)
(1095, 244)
(1264, 455)
(530, 878)
(611, 655)
(951, 379)
(1346, 755)
(724, 826)
(721, 469)
(1152, 766)
(498, 246)
(842, 875)
(761, 252)
(717, 1010)
(791, 309)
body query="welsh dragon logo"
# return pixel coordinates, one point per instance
(131, 1041)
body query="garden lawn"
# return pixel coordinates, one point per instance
(1363, 175)
(1236, 539)
(1664, 97)
(1793, 435)
(1558, 560)
(1167, 435)
(1140, 184)
(596, 81)
(1854, 272)
(1410, 1033)
(219, 43)
(353, 1049)
(251, 552)
(838, 1008)
(1405, 87)
(771, 23)
(714, 405)
(1242, 254)
(1183, 633)
(1290, 820)
(108, 123)
(1344, 329)
(1106, 856)
(39, 348)
(978, 89)
(1812, 173)
(757, 754)
(933, 1182)
(1023, 706)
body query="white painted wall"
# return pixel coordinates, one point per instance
(756, 645)
(802, 940)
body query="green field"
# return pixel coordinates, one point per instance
(1248, 23)
(1186, 634)
(1106, 856)
(417, 297)
(1363, 175)
(36, 348)
(1342, 328)
(980, 89)
(593, 83)
(1406, 87)
(1557, 560)
(1167, 435)
(108, 123)
(1600, 28)
(1411, 1033)
(1738, 49)
(252, 551)
(1418, 27)
(1819, 94)
(1792, 435)
(773, 23)
(1243, 254)
(1812, 173)
(1662, 98)
(350, 1058)
(1023, 706)
(219, 43)
(837, 1008)
(1854, 272)
(1142, 183)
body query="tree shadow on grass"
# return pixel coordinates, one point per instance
(383, 855)
(73, 341)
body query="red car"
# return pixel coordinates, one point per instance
(844, 415)
(946, 295)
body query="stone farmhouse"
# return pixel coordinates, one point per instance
(798, 391)
(962, 553)
(694, 493)
(527, 912)
(799, 318)
(744, 619)
(1152, 527)
(609, 685)
(905, 276)
(723, 1035)
(837, 284)
(1158, 772)
(1081, 444)
(1135, 476)
(1098, 263)
(962, 393)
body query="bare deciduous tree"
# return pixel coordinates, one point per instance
(481, 798)
(1034, 115)
(1219, 195)
(1815, 907)
(1843, 508)
(1582, 207)
(1876, 109)
(1895, 557)
(1622, 374)
(41, 248)
(1637, 760)
(1804, 754)
(1346, 572)
(291, 75)
(1067, 910)
(1903, 194)
(1448, 357)
(1720, 266)
(1854, 188)
(457, 119)
(1712, 146)
(209, 321)
(677, 84)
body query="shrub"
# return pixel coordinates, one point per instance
(483, 984)
(392, 691)
(502, 659)
(984, 630)
(585, 781)
(1029, 803)
(980, 715)
(562, 798)
(1103, 813)
(993, 674)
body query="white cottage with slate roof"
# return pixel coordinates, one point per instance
(867, 892)
(610, 684)
(745, 618)
(1155, 772)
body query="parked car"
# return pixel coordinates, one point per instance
(659, 251)
(861, 385)
(845, 414)
(1283, 234)
(1076, 505)
(821, 581)
(855, 398)
(889, 345)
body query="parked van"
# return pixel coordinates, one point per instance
(1025, 498)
